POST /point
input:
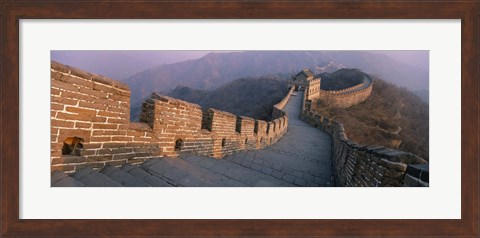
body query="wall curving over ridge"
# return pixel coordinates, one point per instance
(367, 166)
(349, 96)
(96, 110)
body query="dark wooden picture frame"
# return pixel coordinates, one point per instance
(13, 11)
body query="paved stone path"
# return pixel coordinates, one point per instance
(302, 157)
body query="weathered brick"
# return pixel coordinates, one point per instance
(56, 106)
(61, 123)
(73, 117)
(81, 111)
(62, 167)
(97, 158)
(122, 110)
(65, 86)
(104, 152)
(94, 165)
(144, 150)
(101, 139)
(117, 121)
(114, 145)
(99, 119)
(91, 105)
(116, 162)
(69, 160)
(122, 150)
(143, 154)
(123, 156)
(64, 101)
(54, 91)
(121, 138)
(68, 94)
(108, 133)
(105, 126)
(110, 114)
(135, 133)
(78, 81)
(92, 145)
(136, 160)
(83, 124)
(89, 152)
(119, 98)
(104, 88)
(93, 93)
(107, 102)
(143, 139)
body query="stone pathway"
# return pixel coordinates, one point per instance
(302, 157)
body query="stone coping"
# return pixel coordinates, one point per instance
(89, 76)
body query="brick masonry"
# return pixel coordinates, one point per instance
(97, 109)
(305, 81)
(346, 97)
(366, 166)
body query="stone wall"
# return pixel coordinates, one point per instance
(97, 110)
(347, 97)
(277, 111)
(313, 88)
(367, 166)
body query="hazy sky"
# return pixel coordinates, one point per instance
(121, 64)
(417, 58)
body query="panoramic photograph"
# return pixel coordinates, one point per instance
(131, 118)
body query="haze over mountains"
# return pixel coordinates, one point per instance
(121, 64)
(153, 71)
(252, 97)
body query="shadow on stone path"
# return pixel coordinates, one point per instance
(302, 157)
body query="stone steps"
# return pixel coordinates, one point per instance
(60, 179)
(92, 178)
(187, 171)
(144, 176)
(120, 176)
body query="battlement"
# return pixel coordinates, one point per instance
(96, 110)
(336, 98)
(360, 165)
(347, 97)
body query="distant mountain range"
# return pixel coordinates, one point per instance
(252, 97)
(328, 67)
(216, 69)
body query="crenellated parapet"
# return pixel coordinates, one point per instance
(349, 96)
(90, 125)
(367, 166)
(305, 81)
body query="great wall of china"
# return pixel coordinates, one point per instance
(97, 110)
(361, 165)
(336, 98)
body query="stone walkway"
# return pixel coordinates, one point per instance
(302, 157)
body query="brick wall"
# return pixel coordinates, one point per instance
(359, 165)
(97, 109)
(313, 90)
(347, 97)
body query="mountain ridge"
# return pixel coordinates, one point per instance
(216, 69)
